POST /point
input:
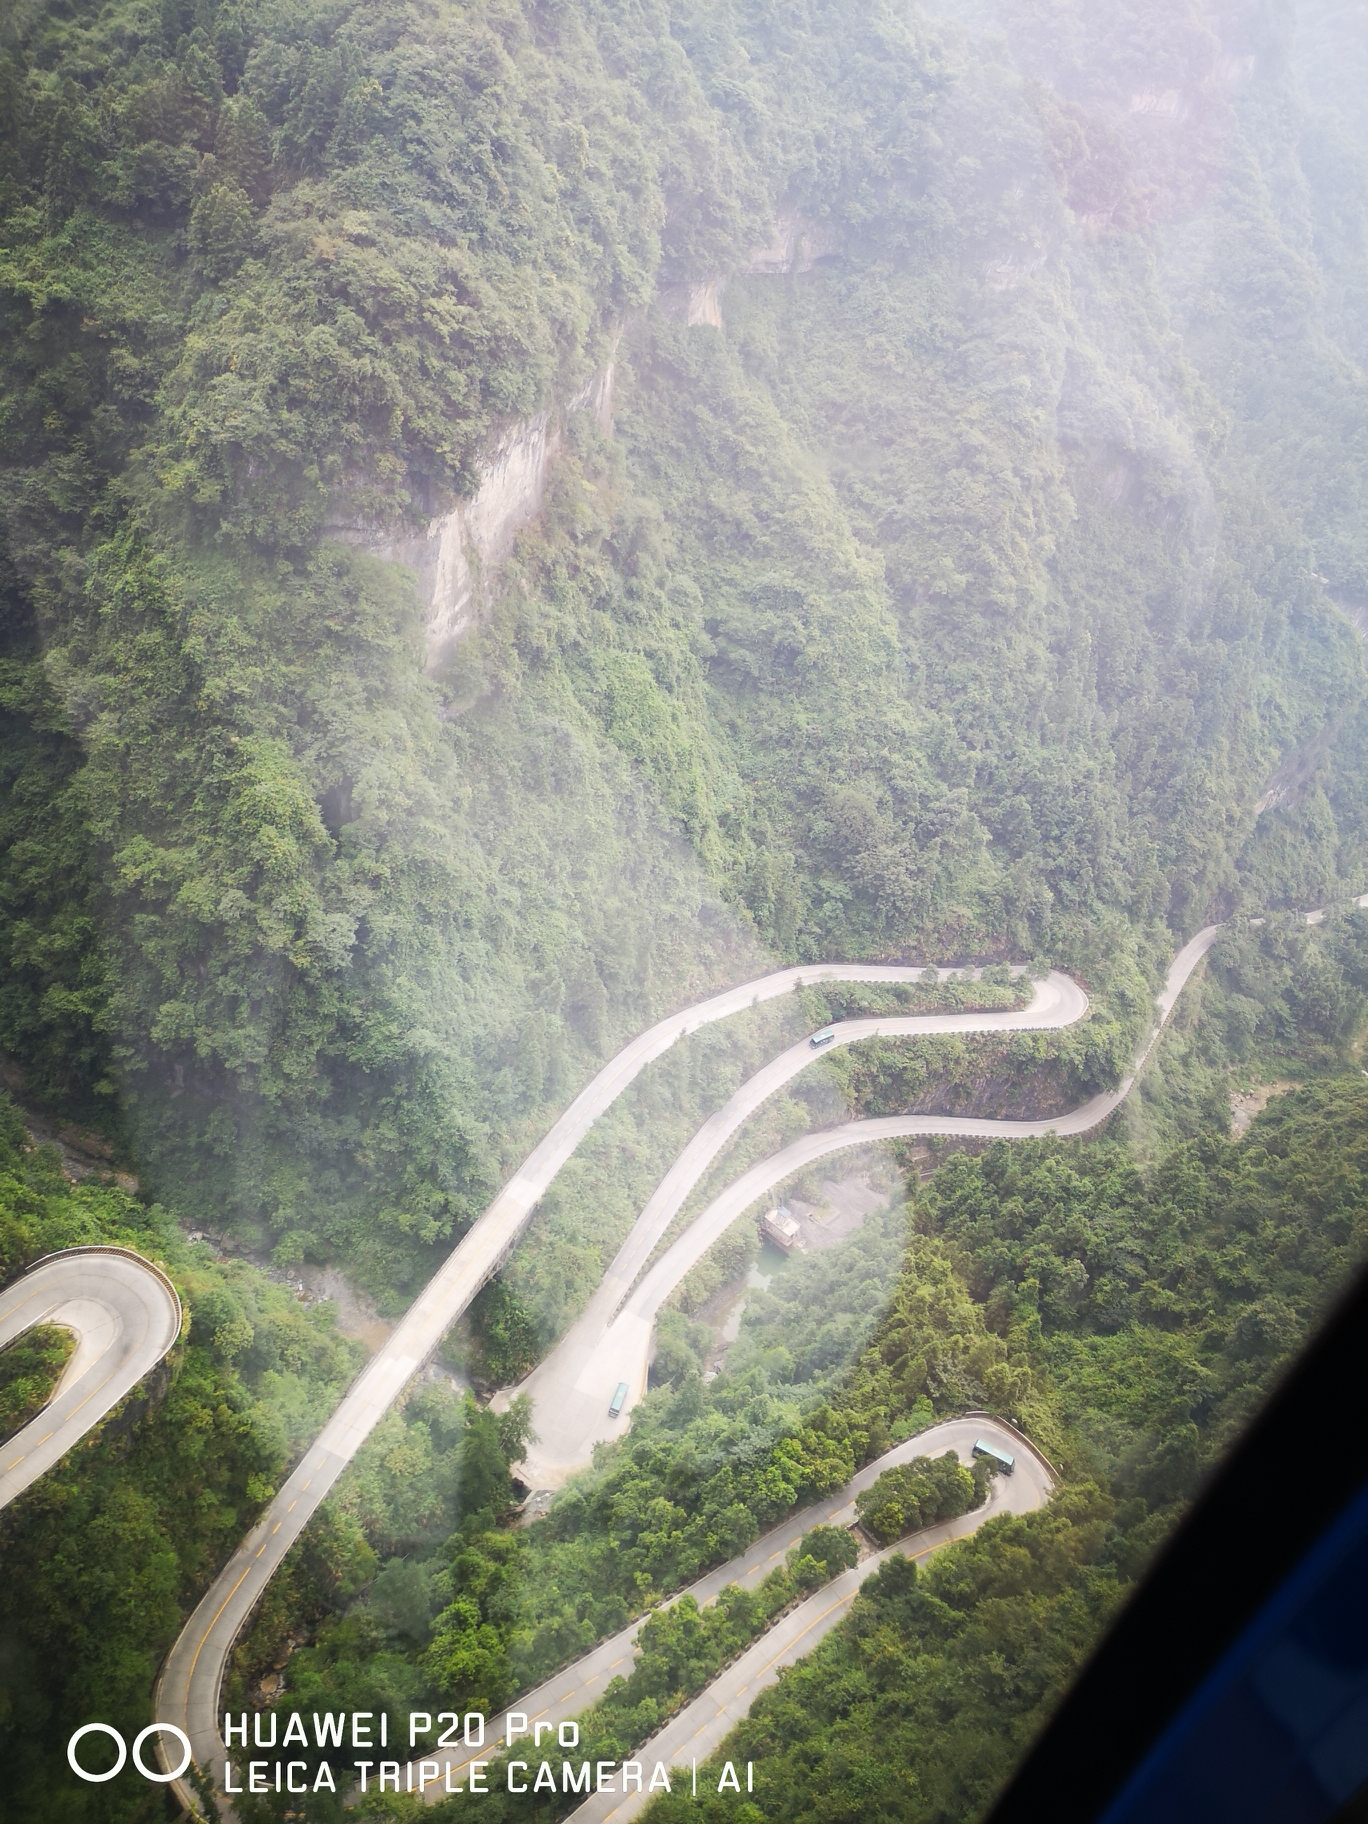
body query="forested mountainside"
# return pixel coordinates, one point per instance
(1132, 1323)
(965, 591)
(946, 540)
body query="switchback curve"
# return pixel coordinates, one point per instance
(609, 1345)
(125, 1315)
(571, 1690)
(702, 1725)
(570, 1389)
(187, 1692)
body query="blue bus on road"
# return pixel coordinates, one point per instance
(619, 1400)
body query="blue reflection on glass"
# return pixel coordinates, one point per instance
(1278, 1734)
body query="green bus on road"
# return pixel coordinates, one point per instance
(619, 1400)
(998, 1457)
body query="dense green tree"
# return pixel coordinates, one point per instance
(988, 584)
(897, 600)
(30, 1368)
(914, 1495)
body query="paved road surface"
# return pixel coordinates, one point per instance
(577, 1686)
(125, 1315)
(702, 1726)
(610, 1345)
(572, 1388)
(187, 1693)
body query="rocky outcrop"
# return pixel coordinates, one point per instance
(704, 304)
(795, 246)
(700, 302)
(457, 556)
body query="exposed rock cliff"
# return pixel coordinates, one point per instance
(457, 555)
(700, 302)
(795, 246)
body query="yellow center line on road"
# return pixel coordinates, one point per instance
(209, 1630)
(841, 1602)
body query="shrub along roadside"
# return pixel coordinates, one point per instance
(30, 1369)
(1154, 1313)
(705, 1469)
(681, 1650)
(918, 1494)
(1049, 1280)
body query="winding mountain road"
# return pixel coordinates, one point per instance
(702, 1724)
(187, 1693)
(575, 1413)
(607, 1345)
(125, 1316)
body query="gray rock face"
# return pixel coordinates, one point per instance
(457, 556)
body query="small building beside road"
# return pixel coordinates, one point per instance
(782, 1228)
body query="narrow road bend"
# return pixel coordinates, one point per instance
(609, 1343)
(573, 1689)
(187, 1692)
(125, 1315)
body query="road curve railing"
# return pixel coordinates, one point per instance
(125, 1315)
(188, 1690)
